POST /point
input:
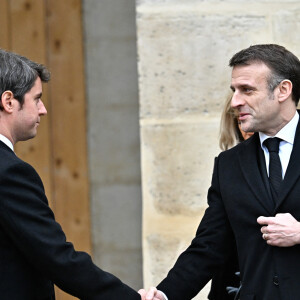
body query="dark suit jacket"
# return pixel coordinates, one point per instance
(238, 195)
(225, 278)
(34, 253)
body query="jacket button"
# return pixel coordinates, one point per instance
(276, 280)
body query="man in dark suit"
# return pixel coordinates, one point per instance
(34, 252)
(254, 198)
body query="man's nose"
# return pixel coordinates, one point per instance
(236, 100)
(42, 109)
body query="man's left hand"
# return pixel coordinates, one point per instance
(283, 230)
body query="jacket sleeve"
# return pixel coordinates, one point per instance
(29, 222)
(208, 250)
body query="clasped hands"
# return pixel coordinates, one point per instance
(283, 230)
(151, 294)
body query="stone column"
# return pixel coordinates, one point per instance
(113, 137)
(184, 48)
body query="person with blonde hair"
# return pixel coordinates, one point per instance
(230, 129)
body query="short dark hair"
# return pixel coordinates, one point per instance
(282, 63)
(18, 74)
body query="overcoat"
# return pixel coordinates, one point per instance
(238, 195)
(34, 253)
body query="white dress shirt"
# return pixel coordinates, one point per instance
(287, 135)
(6, 141)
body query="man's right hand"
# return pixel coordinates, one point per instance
(151, 294)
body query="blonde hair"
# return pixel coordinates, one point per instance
(230, 134)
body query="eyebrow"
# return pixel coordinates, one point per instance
(242, 86)
(39, 95)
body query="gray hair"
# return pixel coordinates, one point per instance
(282, 63)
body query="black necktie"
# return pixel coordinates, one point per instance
(275, 171)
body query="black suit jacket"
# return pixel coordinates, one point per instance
(34, 252)
(238, 195)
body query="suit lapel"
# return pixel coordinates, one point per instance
(250, 166)
(293, 170)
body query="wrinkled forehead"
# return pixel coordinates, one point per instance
(254, 73)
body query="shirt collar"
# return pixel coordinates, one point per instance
(287, 133)
(6, 141)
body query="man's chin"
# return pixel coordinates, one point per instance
(27, 137)
(246, 127)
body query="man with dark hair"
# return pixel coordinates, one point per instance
(254, 198)
(34, 253)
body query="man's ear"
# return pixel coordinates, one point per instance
(285, 90)
(6, 103)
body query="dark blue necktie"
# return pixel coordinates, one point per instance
(275, 170)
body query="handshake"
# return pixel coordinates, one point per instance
(152, 294)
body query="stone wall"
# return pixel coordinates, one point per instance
(184, 48)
